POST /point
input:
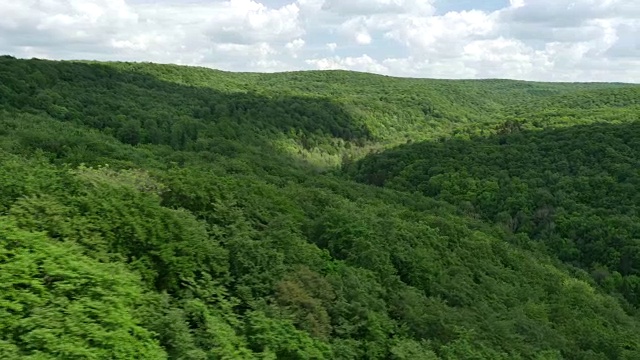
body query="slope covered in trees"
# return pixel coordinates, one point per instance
(152, 211)
(574, 189)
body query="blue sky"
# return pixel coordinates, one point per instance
(550, 40)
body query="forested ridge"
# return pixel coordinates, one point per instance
(164, 212)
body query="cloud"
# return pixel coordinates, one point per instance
(209, 33)
(492, 58)
(363, 37)
(42, 24)
(568, 40)
(441, 35)
(246, 22)
(294, 47)
(360, 63)
(569, 13)
(372, 7)
(530, 40)
(416, 67)
(627, 45)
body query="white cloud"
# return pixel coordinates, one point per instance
(442, 35)
(528, 39)
(493, 58)
(417, 67)
(64, 22)
(363, 37)
(371, 7)
(221, 33)
(246, 21)
(627, 45)
(360, 63)
(294, 46)
(559, 13)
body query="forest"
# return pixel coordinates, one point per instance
(165, 212)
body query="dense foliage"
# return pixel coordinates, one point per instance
(573, 189)
(152, 211)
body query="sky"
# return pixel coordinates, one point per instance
(541, 40)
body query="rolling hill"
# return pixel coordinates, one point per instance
(156, 211)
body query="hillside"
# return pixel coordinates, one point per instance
(154, 211)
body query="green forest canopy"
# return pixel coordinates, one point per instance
(157, 211)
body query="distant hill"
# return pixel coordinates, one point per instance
(157, 211)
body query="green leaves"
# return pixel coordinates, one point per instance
(57, 303)
(156, 211)
(571, 189)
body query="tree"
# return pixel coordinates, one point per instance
(57, 303)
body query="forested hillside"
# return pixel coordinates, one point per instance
(154, 211)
